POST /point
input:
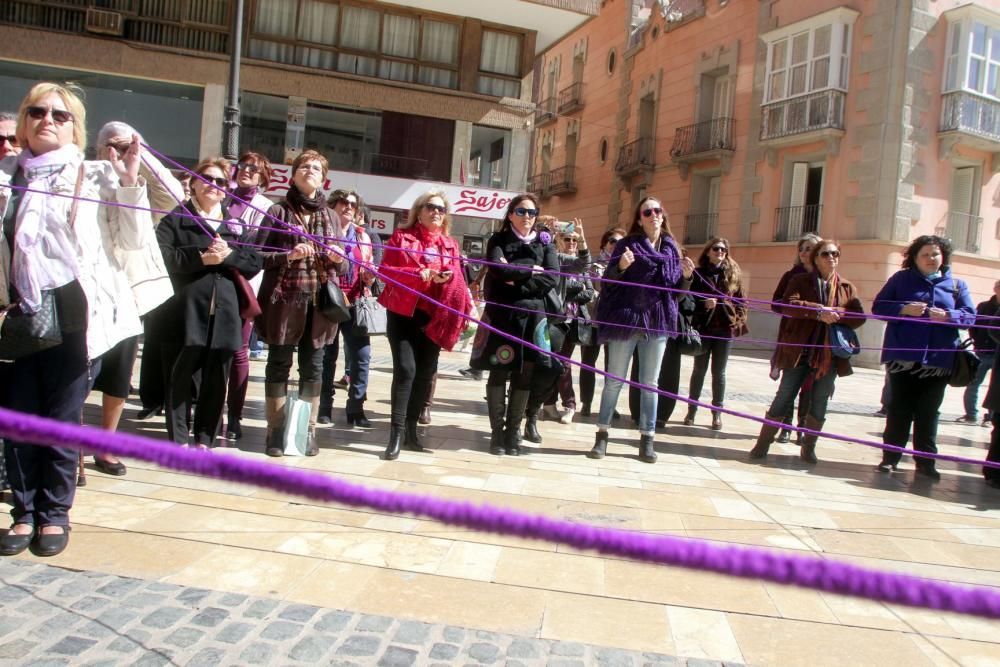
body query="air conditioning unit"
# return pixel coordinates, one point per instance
(104, 22)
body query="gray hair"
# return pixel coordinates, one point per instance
(115, 128)
(8, 115)
(811, 238)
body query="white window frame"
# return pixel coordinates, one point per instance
(958, 51)
(841, 22)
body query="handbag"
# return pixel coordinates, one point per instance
(332, 303)
(844, 342)
(22, 333)
(688, 338)
(295, 432)
(247, 300)
(586, 332)
(369, 317)
(964, 368)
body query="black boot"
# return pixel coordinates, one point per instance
(512, 426)
(325, 410)
(647, 452)
(764, 439)
(689, 419)
(496, 405)
(808, 447)
(395, 442)
(531, 433)
(600, 446)
(410, 438)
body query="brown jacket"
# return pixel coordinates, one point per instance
(803, 327)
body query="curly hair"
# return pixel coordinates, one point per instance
(910, 255)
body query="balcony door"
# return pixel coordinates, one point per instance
(805, 202)
(963, 220)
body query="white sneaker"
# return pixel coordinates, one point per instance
(550, 412)
(567, 417)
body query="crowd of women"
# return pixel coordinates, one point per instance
(95, 253)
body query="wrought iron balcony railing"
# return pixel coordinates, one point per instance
(562, 181)
(806, 113)
(710, 135)
(571, 98)
(791, 222)
(635, 156)
(700, 227)
(545, 112)
(964, 230)
(537, 184)
(965, 112)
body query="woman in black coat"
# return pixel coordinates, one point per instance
(204, 330)
(533, 262)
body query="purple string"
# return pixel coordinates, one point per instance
(748, 562)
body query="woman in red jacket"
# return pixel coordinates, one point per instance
(421, 269)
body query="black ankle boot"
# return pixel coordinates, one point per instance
(647, 452)
(395, 442)
(410, 438)
(600, 446)
(531, 433)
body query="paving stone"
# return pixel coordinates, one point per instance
(520, 648)
(360, 645)
(700, 662)
(45, 577)
(161, 587)
(412, 632)
(17, 648)
(398, 656)
(567, 649)
(192, 596)
(207, 657)
(51, 662)
(232, 599)
(484, 653)
(75, 588)
(210, 617)
(659, 660)
(117, 618)
(56, 624)
(234, 633)
(281, 630)
(487, 636)
(370, 623)
(561, 662)
(261, 608)
(444, 651)
(13, 594)
(311, 649)
(609, 657)
(184, 637)
(95, 630)
(144, 600)
(119, 588)
(89, 603)
(257, 654)
(103, 663)
(453, 634)
(35, 608)
(124, 644)
(165, 617)
(155, 659)
(300, 613)
(334, 621)
(9, 624)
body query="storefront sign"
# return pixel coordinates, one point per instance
(399, 193)
(383, 222)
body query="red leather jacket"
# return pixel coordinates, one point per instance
(407, 253)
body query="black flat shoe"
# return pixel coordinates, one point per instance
(116, 469)
(146, 413)
(930, 473)
(360, 420)
(12, 545)
(50, 545)
(234, 431)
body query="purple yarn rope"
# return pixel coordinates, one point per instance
(738, 561)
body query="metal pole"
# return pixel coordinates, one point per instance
(231, 124)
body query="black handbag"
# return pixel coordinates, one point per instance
(332, 303)
(964, 368)
(369, 317)
(688, 338)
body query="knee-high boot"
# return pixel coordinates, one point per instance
(512, 427)
(275, 395)
(310, 391)
(496, 405)
(764, 439)
(808, 448)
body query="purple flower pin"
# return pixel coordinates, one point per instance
(545, 237)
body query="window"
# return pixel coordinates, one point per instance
(490, 149)
(500, 55)
(809, 56)
(973, 56)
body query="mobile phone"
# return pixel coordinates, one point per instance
(565, 227)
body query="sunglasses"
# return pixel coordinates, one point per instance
(352, 204)
(530, 212)
(218, 181)
(649, 212)
(434, 208)
(571, 240)
(247, 166)
(614, 240)
(720, 248)
(835, 254)
(58, 115)
(9, 138)
(120, 146)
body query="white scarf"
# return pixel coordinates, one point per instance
(44, 253)
(524, 239)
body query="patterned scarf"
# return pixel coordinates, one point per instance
(298, 280)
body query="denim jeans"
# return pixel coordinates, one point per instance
(971, 396)
(619, 355)
(716, 352)
(792, 380)
(357, 358)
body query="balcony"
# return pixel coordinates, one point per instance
(700, 227)
(970, 120)
(791, 222)
(545, 112)
(802, 119)
(571, 98)
(537, 185)
(964, 230)
(711, 139)
(383, 164)
(634, 157)
(562, 181)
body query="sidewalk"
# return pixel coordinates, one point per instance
(170, 529)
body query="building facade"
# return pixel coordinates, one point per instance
(424, 93)
(871, 122)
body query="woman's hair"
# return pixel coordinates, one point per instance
(818, 248)
(311, 156)
(910, 255)
(263, 165)
(562, 239)
(636, 228)
(71, 97)
(341, 194)
(730, 269)
(515, 203)
(110, 130)
(217, 161)
(420, 202)
(805, 238)
(614, 231)
(547, 221)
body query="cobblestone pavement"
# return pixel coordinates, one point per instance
(54, 616)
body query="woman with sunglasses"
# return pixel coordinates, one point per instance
(636, 317)
(300, 255)
(201, 323)
(247, 204)
(918, 350)
(425, 294)
(9, 143)
(720, 316)
(57, 256)
(814, 301)
(803, 264)
(522, 262)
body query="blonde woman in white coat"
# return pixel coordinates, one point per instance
(63, 255)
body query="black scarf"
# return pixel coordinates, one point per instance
(302, 203)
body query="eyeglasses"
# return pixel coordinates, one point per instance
(720, 248)
(9, 138)
(530, 212)
(217, 181)
(311, 167)
(59, 116)
(434, 208)
(649, 212)
(247, 166)
(835, 254)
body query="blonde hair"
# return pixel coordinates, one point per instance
(71, 96)
(418, 204)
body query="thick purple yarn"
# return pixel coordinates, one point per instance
(748, 562)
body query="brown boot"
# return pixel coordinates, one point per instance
(808, 448)
(310, 392)
(764, 440)
(275, 395)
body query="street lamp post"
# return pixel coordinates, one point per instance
(231, 123)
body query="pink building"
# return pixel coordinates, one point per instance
(871, 123)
